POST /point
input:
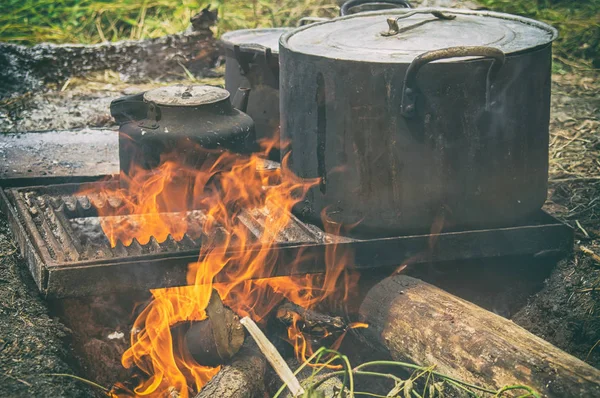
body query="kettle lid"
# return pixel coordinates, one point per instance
(186, 95)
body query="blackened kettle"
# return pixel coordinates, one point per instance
(183, 119)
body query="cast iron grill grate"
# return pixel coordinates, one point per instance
(60, 235)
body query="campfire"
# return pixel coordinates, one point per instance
(160, 201)
(191, 341)
(274, 237)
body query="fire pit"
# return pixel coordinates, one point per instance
(251, 267)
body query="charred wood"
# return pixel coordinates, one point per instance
(309, 321)
(24, 69)
(421, 323)
(215, 340)
(244, 377)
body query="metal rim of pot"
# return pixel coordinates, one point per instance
(245, 50)
(442, 13)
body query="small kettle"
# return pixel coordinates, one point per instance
(181, 120)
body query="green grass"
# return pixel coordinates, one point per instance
(577, 21)
(94, 21)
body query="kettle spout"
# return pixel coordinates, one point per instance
(240, 101)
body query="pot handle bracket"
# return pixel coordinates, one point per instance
(410, 89)
(246, 54)
(152, 117)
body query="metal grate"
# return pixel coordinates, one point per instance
(68, 254)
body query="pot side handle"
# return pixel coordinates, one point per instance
(410, 89)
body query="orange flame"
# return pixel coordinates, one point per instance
(160, 201)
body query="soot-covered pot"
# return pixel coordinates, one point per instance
(414, 116)
(252, 60)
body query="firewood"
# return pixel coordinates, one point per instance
(244, 377)
(418, 322)
(215, 340)
(309, 321)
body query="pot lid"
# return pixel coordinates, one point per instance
(186, 95)
(399, 35)
(268, 37)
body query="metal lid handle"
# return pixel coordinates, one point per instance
(410, 90)
(394, 28)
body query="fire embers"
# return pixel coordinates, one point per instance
(232, 254)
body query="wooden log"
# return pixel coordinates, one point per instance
(244, 377)
(24, 69)
(421, 323)
(215, 340)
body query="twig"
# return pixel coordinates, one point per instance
(64, 87)
(273, 356)
(8, 254)
(591, 253)
(592, 349)
(17, 379)
(306, 363)
(582, 229)
(589, 289)
(568, 138)
(188, 73)
(86, 381)
(576, 179)
(573, 64)
(411, 366)
(571, 140)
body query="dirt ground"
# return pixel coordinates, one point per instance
(32, 343)
(566, 311)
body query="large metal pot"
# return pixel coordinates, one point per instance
(399, 141)
(252, 60)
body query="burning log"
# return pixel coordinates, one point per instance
(215, 340)
(309, 321)
(244, 377)
(416, 321)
